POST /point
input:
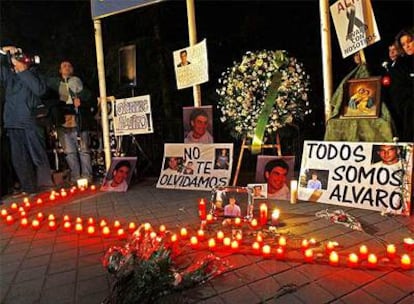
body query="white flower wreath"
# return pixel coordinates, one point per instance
(245, 85)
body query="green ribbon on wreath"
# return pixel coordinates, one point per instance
(265, 113)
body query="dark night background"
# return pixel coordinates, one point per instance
(64, 29)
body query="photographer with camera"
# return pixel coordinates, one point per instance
(23, 88)
(75, 110)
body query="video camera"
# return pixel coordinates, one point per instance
(29, 60)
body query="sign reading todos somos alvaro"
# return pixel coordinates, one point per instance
(196, 166)
(105, 8)
(374, 176)
(355, 25)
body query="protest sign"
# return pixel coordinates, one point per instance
(191, 65)
(374, 176)
(133, 116)
(196, 166)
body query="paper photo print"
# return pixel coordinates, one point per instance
(276, 172)
(119, 174)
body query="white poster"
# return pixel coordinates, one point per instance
(191, 65)
(374, 176)
(133, 116)
(195, 166)
(355, 25)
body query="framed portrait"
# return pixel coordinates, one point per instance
(119, 174)
(198, 124)
(362, 98)
(232, 202)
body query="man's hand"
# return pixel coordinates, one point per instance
(12, 49)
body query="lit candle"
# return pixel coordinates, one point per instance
(282, 241)
(162, 229)
(52, 197)
(256, 247)
(220, 235)
(391, 251)
(259, 237)
(147, 226)
(372, 260)
(40, 216)
(66, 226)
(9, 219)
(174, 238)
(237, 221)
(202, 209)
(266, 250)
(93, 187)
(209, 218)
(106, 231)
(409, 243)
(24, 222)
(333, 259)
(293, 191)
(308, 255)
(78, 220)
(211, 243)
(263, 214)
(132, 226)
(63, 193)
(280, 253)
(78, 227)
(353, 260)
(91, 230)
(183, 233)
(117, 224)
(227, 241)
(194, 241)
(102, 223)
(275, 217)
(14, 206)
(39, 201)
(200, 233)
(234, 245)
(26, 200)
(121, 234)
(253, 223)
(405, 262)
(23, 214)
(35, 224)
(330, 246)
(52, 225)
(363, 252)
(91, 221)
(305, 244)
(66, 218)
(3, 212)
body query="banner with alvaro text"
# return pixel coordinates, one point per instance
(196, 166)
(374, 176)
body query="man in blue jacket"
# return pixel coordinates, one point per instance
(23, 88)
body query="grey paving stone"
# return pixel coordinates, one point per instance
(384, 292)
(61, 278)
(265, 288)
(58, 294)
(241, 295)
(28, 291)
(251, 273)
(313, 293)
(27, 274)
(360, 296)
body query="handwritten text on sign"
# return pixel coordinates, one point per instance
(196, 166)
(374, 176)
(133, 116)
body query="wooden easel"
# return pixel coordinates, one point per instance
(276, 146)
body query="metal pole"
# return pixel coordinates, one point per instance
(102, 91)
(326, 55)
(192, 34)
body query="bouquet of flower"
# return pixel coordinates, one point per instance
(147, 268)
(245, 86)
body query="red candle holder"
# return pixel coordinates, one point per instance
(91, 230)
(266, 251)
(263, 214)
(67, 226)
(202, 212)
(353, 260)
(391, 251)
(282, 241)
(9, 219)
(308, 255)
(183, 233)
(363, 252)
(3, 212)
(220, 236)
(162, 229)
(200, 234)
(333, 259)
(227, 242)
(24, 222)
(234, 245)
(212, 243)
(372, 260)
(280, 253)
(78, 227)
(194, 242)
(256, 247)
(132, 226)
(405, 262)
(106, 231)
(121, 234)
(35, 224)
(52, 225)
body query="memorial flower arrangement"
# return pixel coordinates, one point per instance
(148, 267)
(244, 88)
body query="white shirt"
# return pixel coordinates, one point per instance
(205, 139)
(282, 194)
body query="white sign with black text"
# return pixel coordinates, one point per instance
(196, 166)
(374, 176)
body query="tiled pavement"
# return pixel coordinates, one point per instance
(45, 266)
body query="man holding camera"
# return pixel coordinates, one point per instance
(23, 88)
(76, 111)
